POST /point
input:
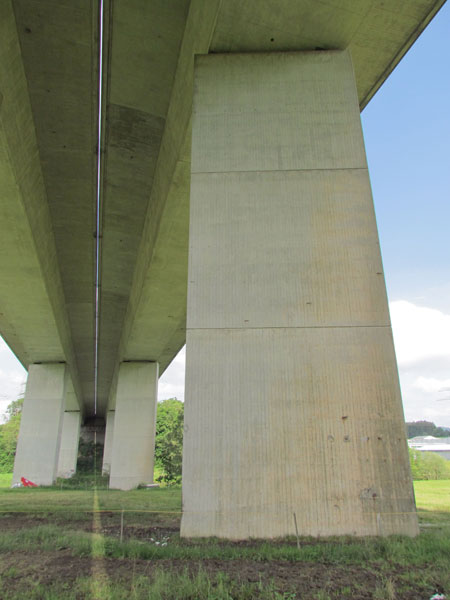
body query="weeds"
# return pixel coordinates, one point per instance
(385, 590)
(164, 585)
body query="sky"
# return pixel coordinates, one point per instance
(407, 134)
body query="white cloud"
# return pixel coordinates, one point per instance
(12, 377)
(422, 344)
(420, 333)
(431, 384)
(171, 383)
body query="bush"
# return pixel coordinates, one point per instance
(90, 457)
(428, 465)
(9, 432)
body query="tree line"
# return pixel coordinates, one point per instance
(416, 428)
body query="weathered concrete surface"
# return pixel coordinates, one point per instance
(41, 424)
(107, 450)
(70, 438)
(292, 396)
(133, 443)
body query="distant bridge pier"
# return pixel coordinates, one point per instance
(70, 438)
(107, 448)
(292, 395)
(41, 425)
(133, 439)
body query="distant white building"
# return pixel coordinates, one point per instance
(428, 443)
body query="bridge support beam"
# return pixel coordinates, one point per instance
(41, 425)
(293, 404)
(70, 438)
(133, 445)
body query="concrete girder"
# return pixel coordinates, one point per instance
(59, 49)
(154, 324)
(137, 105)
(33, 315)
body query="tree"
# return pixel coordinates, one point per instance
(9, 433)
(14, 408)
(169, 439)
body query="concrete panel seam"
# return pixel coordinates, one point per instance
(281, 169)
(292, 327)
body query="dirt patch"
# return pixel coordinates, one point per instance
(301, 578)
(304, 579)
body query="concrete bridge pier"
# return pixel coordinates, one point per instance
(107, 449)
(133, 440)
(70, 438)
(41, 425)
(292, 396)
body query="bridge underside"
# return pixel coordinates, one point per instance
(49, 79)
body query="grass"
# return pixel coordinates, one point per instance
(51, 521)
(5, 480)
(433, 495)
(429, 547)
(144, 508)
(54, 500)
(433, 503)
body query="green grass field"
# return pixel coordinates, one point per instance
(433, 495)
(5, 480)
(67, 544)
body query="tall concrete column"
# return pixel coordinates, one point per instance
(133, 447)
(70, 438)
(107, 449)
(292, 396)
(41, 425)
